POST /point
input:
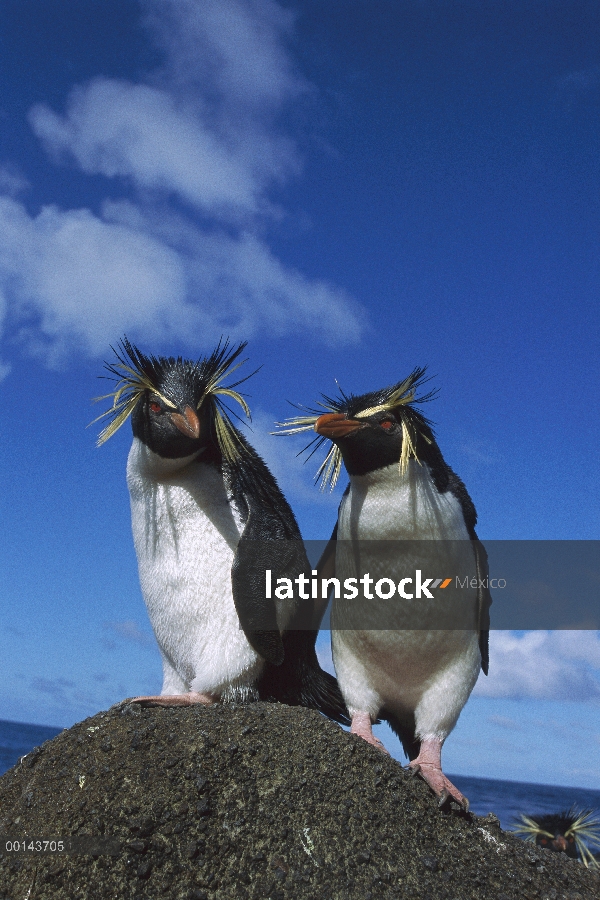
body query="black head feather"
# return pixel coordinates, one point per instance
(175, 381)
(397, 400)
(574, 832)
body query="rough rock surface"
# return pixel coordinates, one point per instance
(252, 801)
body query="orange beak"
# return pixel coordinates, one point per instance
(188, 423)
(335, 426)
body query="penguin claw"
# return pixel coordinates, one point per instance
(446, 795)
(414, 770)
(439, 784)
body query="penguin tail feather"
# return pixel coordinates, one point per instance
(300, 680)
(405, 731)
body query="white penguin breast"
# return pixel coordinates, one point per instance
(384, 505)
(397, 662)
(186, 533)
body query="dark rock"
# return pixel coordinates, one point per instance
(143, 827)
(137, 846)
(144, 869)
(30, 760)
(312, 812)
(191, 851)
(203, 808)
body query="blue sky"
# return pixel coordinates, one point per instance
(356, 189)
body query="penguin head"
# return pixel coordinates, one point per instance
(572, 831)
(175, 404)
(168, 420)
(369, 431)
(366, 444)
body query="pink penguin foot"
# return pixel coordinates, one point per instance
(361, 725)
(192, 698)
(428, 766)
(439, 784)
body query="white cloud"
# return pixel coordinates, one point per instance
(252, 286)
(74, 277)
(200, 135)
(11, 180)
(205, 129)
(120, 129)
(549, 665)
(233, 51)
(4, 369)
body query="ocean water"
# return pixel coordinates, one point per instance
(506, 799)
(17, 739)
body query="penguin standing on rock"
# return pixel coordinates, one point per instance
(392, 657)
(208, 518)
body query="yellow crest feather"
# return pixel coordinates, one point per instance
(135, 373)
(396, 399)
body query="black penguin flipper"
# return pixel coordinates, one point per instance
(271, 540)
(256, 612)
(484, 601)
(300, 680)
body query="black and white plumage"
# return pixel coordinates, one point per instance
(575, 832)
(208, 517)
(401, 489)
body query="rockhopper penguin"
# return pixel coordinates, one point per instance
(208, 517)
(415, 675)
(575, 832)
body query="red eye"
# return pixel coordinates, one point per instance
(155, 407)
(387, 424)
